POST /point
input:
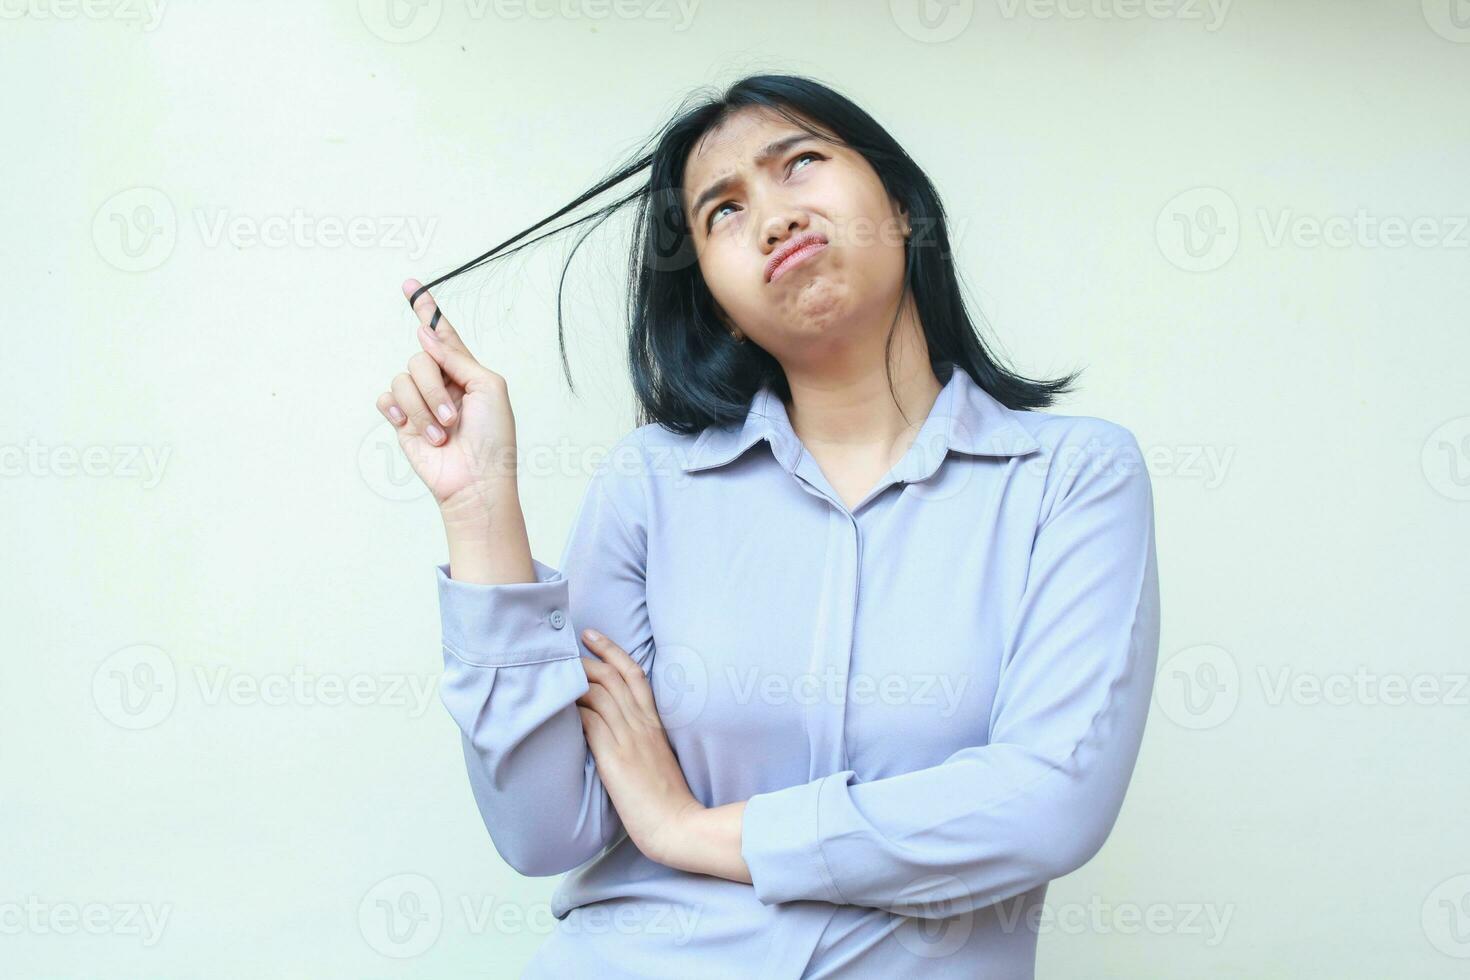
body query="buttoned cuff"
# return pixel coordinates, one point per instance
(781, 842)
(506, 625)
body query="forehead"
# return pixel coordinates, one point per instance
(730, 145)
(741, 130)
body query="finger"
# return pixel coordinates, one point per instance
(459, 365)
(613, 682)
(594, 728)
(628, 670)
(600, 672)
(420, 422)
(431, 318)
(390, 409)
(425, 373)
(618, 659)
(426, 307)
(601, 700)
(442, 341)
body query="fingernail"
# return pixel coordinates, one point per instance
(396, 414)
(591, 635)
(435, 433)
(445, 413)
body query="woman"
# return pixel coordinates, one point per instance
(877, 634)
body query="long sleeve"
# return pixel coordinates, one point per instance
(1037, 802)
(512, 675)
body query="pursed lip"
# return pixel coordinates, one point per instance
(794, 245)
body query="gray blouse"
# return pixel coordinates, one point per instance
(932, 701)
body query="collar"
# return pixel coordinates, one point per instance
(965, 417)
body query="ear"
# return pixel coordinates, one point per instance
(729, 324)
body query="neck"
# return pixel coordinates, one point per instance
(844, 405)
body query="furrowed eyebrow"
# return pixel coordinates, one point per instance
(763, 156)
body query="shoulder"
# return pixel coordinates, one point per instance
(1085, 457)
(654, 454)
(629, 469)
(1055, 432)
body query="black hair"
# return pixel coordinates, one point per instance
(688, 371)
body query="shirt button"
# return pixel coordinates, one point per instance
(558, 619)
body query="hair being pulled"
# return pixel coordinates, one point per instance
(688, 372)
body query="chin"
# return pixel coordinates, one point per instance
(819, 299)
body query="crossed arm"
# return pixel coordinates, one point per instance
(642, 775)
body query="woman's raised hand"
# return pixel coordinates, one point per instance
(454, 420)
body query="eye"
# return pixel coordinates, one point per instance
(794, 161)
(802, 156)
(717, 209)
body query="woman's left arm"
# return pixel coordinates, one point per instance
(1040, 798)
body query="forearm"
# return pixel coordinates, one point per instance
(489, 545)
(708, 843)
(510, 681)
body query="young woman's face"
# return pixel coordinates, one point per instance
(838, 297)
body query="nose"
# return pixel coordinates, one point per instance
(781, 227)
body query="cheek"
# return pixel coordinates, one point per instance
(727, 272)
(715, 271)
(860, 215)
(722, 278)
(873, 244)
